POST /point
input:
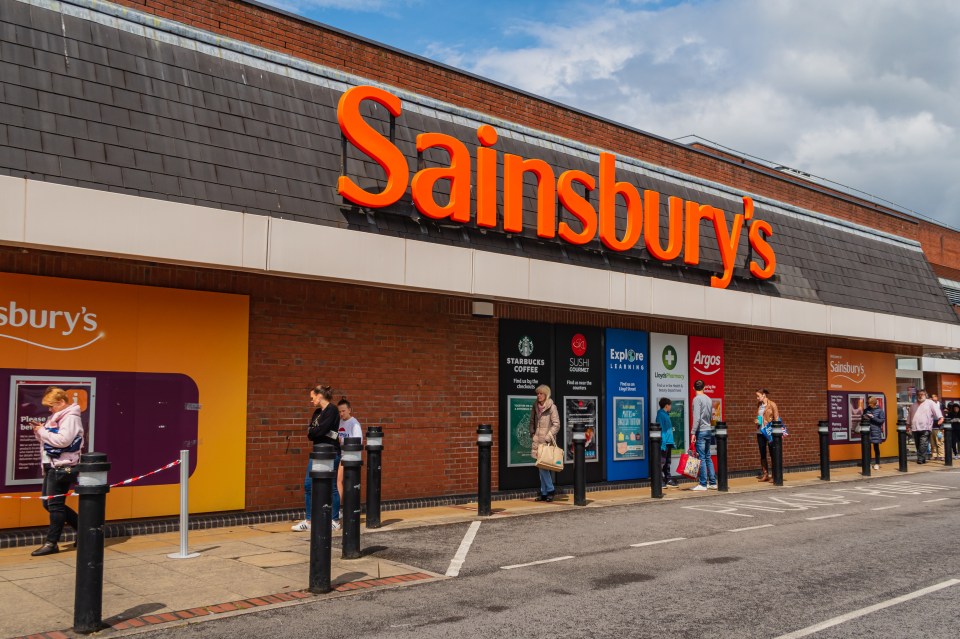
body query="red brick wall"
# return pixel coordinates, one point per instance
(424, 369)
(263, 27)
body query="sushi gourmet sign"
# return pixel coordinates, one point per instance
(643, 212)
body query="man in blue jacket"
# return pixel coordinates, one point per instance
(666, 441)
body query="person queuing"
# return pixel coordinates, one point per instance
(323, 429)
(666, 442)
(702, 415)
(953, 413)
(766, 412)
(349, 427)
(877, 417)
(936, 434)
(61, 439)
(544, 426)
(923, 414)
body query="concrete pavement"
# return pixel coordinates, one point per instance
(262, 566)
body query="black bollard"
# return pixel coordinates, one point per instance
(484, 444)
(902, 444)
(579, 465)
(721, 434)
(88, 595)
(865, 446)
(352, 460)
(374, 456)
(777, 453)
(321, 516)
(949, 432)
(656, 476)
(824, 429)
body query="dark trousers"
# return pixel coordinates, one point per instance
(922, 440)
(876, 453)
(665, 462)
(57, 481)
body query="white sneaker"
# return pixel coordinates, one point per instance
(699, 487)
(336, 524)
(876, 466)
(712, 487)
(302, 526)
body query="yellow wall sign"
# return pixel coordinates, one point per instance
(154, 370)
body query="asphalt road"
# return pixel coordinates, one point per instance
(758, 565)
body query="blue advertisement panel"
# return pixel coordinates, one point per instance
(627, 404)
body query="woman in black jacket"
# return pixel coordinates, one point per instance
(323, 429)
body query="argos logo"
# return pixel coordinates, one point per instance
(703, 363)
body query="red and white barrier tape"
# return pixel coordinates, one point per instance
(125, 482)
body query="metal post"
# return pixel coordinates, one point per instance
(902, 444)
(579, 465)
(322, 475)
(721, 434)
(656, 480)
(184, 508)
(352, 460)
(823, 428)
(865, 446)
(484, 446)
(374, 454)
(949, 432)
(88, 595)
(777, 452)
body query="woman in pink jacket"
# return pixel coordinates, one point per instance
(61, 439)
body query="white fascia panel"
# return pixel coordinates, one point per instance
(13, 196)
(503, 276)
(256, 232)
(760, 311)
(324, 251)
(848, 322)
(438, 267)
(728, 307)
(907, 330)
(569, 285)
(933, 333)
(639, 291)
(678, 299)
(101, 222)
(886, 327)
(795, 315)
(618, 291)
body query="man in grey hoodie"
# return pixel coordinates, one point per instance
(702, 415)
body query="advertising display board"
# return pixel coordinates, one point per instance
(579, 361)
(853, 378)
(949, 387)
(669, 378)
(141, 362)
(627, 391)
(706, 363)
(525, 362)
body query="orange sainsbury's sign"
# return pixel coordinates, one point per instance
(684, 220)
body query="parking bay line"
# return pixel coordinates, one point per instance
(457, 562)
(886, 507)
(836, 621)
(751, 528)
(825, 516)
(537, 563)
(654, 543)
(930, 501)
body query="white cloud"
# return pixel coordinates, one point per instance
(865, 92)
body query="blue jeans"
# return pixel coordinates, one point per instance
(308, 491)
(707, 474)
(546, 481)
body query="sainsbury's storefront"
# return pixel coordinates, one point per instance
(245, 223)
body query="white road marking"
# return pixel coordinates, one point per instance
(825, 517)
(654, 543)
(751, 528)
(537, 563)
(457, 562)
(836, 621)
(930, 501)
(719, 510)
(886, 507)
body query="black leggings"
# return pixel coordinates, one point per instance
(763, 444)
(58, 482)
(876, 453)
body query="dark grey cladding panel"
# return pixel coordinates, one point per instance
(106, 109)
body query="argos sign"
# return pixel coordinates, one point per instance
(643, 212)
(706, 363)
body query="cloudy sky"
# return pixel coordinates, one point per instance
(865, 93)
